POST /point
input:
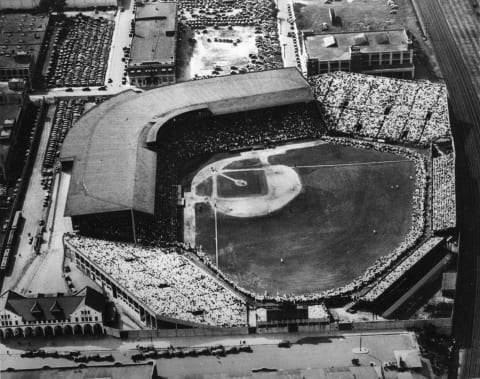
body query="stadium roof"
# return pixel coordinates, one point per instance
(320, 46)
(113, 167)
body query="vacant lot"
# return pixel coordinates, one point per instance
(216, 48)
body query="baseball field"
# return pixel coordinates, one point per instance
(300, 218)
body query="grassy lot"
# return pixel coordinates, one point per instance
(326, 234)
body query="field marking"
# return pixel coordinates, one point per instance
(352, 164)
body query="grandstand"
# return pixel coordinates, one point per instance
(125, 128)
(132, 160)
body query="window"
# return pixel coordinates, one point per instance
(76, 319)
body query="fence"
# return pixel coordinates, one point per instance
(166, 333)
(443, 325)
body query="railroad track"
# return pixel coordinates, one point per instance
(465, 107)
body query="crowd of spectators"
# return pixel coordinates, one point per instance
(444, 207)
(81, 47)
(185, 139)
(393, 110)
(379, 288)
(166, 281)
(260, 14)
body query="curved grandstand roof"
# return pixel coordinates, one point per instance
(113, 168)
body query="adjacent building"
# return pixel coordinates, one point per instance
(386, 52)
(13, 107)
(154, 41)
(22, 37)
(82, 313)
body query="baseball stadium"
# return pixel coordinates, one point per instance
(240, 193)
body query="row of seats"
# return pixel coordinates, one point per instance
(444, 213)
(166, 281)
(383, 108)
(382, 285)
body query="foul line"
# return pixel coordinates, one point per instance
(351, 164)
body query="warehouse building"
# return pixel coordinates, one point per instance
(13, 107)
(386, 52)
(152, 59)
(22, 36)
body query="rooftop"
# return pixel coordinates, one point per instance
(164, 9)
(23, 22)
(52, 307)
(325, 47)
(154, 39)
(119, 129)
(21, 33)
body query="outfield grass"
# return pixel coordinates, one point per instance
(325, 235)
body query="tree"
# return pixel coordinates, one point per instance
(58, 5)
(44, 5)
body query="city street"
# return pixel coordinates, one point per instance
(307, 351)
(120, 40)
(32, 214)
(285, 27)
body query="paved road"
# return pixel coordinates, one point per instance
(308, 351)
(288, 50)
(465, 105)
(47, 275)
(119, 41)
(32, 212)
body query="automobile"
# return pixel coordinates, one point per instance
(102, 88)
(27, 354)
(86, 89)
(245, 349)
(69, 89)
(110, 80)
(284, 343)
(122, 9)
(107, 357)
(80, 358)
